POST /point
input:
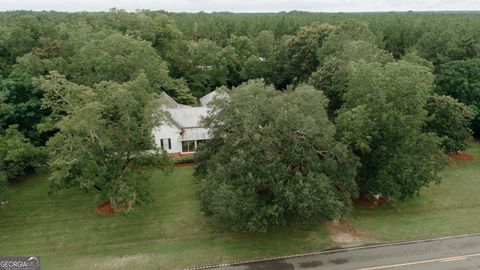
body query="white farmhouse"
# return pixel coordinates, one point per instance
(184, 132)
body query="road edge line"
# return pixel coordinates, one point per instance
(330, 251)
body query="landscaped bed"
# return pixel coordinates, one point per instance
(462, 156)
(172, 233)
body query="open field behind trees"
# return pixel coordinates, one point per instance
(172, 233)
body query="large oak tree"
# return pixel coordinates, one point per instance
(272, 159)
(104, 132)
(382, 121)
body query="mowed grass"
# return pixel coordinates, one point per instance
(171, 232)
(452, 207)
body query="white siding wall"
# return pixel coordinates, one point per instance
(189, 118)
(168, 132)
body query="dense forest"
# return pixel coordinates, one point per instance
(71, 81)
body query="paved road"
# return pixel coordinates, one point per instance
(462, 253)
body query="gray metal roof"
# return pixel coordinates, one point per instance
(191, 134)
(170, 103)
(210, 96)
(188, 117)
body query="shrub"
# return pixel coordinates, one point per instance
(17, 155)
(451, 121)
(152, 160)
(184, 159)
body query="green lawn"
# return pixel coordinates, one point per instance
(171, 233)
(452, 207)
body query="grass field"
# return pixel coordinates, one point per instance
(452, 207)
(171, 233)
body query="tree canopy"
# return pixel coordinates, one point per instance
(461, 80)
(332, 75)
(24, 108)
(84, 85)
(280, 164)
(17, 155)
(450, 120)
(104, 130)
(382, 120)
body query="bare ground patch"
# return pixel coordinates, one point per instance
(345, 233)
(121, 262)
(465, 156)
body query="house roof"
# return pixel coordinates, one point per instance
(170, 103)
(190, 134)
(210, 96)
(188, 117)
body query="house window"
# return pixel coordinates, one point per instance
(188, 146)
(166, 144)
(200, 142)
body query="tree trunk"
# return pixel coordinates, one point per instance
(113, 203)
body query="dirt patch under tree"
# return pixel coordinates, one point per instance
(105, 209)
(361, 200)
(461, 156)
(343, 232)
